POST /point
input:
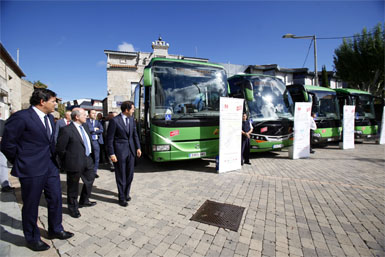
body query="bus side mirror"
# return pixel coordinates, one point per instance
(147, 78)
(249, 91)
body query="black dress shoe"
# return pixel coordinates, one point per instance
(123, 203)
(75, 214)
(62, 235)
(87, 204)
(7, 189)
(96, 176)
(248, 163)
(128, 198)
(38, 246)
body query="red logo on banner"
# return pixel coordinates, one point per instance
(299, 108)
(239, 108)
(226, 106)
(174, 133)
(352, 111)
(324, 130)
(308, 109)
(264, 129)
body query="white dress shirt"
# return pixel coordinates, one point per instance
(41, 116)
(81, 135)
(125, 119)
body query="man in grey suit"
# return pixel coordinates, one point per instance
(76, 158)
(62, 123)
(96, 129)
(123, 146)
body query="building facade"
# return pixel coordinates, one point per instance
(10, 84)
(124, 71)
(26, 92)
(294, 76)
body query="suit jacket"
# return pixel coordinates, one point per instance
(71, 149)
(59, 124)
(26, 145)
(98, 132)
(121, 141)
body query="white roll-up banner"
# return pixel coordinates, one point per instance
(382, 132)
(301, 142)
(348, 127)
(230, 134)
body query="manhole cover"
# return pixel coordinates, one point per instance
(219, 214)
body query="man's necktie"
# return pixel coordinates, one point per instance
(127, 124)
(47, 126)
(85, 141)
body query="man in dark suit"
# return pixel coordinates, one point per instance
(247, 128)
(75, 152)
(62, 123)
(96, 129)
(28, 143)
(110, 116)
(123, 146)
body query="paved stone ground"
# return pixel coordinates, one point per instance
(331, 204)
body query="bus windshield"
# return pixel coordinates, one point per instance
(271, 100)
(186, 90)
(364, 106)
(325, 104)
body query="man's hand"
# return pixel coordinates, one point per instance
(138, 152)
(113, 158)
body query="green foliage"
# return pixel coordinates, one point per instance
(324, 77)
(61, 109)
(38, 84)
(360, 62)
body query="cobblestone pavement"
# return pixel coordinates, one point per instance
(331, 204)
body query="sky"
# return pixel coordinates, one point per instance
(62, 43)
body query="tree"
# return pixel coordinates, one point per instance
(38, 84)
(61, 109)
(360, 62)
(324, 77)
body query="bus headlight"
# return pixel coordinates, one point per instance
(358, 132)
(317, 134)
(160, 148)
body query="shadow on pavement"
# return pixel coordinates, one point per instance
(8, 237)
(145, 165)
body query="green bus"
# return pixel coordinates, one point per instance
(177, 108)
(269, 107)
(365, 124)
(325, 106)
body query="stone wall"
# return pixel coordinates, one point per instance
(26, 92)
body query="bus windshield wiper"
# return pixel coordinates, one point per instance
(183, 115)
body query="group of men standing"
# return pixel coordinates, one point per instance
(36, 150)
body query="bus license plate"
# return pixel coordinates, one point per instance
(277, 146)
(195, 155)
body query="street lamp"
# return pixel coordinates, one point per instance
(315, 52)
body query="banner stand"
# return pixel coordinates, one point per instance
(301, 142)
(230, 134)
(348, 127)
(381, 140)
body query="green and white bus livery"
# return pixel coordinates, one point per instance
(270, 109)
(325, 106)
(177, 106)
(365, 124)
